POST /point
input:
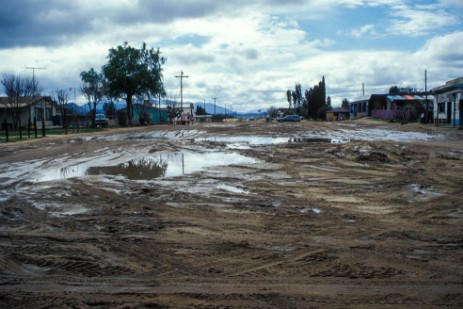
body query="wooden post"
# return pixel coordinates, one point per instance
(6, 131)
(20, 129)
(35, 127)
(43, 126)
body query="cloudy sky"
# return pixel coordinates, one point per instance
(245, 53)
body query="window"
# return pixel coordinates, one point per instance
(48, 113)
(441, 107)
(38, 113)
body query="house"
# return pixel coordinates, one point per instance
(448, 102)
(337, 114)
(414, 104)
(363, 106)
(203, 118)
(18, 114)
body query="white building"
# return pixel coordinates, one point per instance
(448, 102)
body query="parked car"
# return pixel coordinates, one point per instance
(289, 118)
(101, 120)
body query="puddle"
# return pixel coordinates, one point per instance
(423, 192)
(165, 164)
(318, 140)
(245, 142)
(231, 188)
(341, 136)
(141, 169)
(60, 210)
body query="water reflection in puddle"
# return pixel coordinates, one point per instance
(143, 169)
(165, 164)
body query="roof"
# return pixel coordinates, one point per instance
(338, 110)
(25, 101)
(405, 97)
(361, 99)
(454, 84)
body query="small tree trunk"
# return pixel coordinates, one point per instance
(129, 110)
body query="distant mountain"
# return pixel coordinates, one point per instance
(211, 108)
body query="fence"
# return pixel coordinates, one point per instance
(8, 134)
(402, 115)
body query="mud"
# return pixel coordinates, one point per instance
(358, 214)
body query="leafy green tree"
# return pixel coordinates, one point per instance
(313, 99)
(133, 72)
(394, 90)
(200, 110)
(94, 88)
(345, 104)
(289, 97)
(298, 97)
(109, 109)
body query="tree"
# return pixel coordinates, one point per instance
(132, 72)
(394, 90)
(345, 104)
(318, 98)
(289, 97)
(313, 100)
(19, 91)
(294, 96)
(110, 109)
(272, 112)
(200, 110)
(94, 89)
(61, 97)
(298, 96)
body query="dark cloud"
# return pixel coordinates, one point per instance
(56, 22)
(52, 23)
(39, 23)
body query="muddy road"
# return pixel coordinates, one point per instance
(238, 215)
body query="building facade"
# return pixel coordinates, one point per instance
(448, 102)
(18, 114)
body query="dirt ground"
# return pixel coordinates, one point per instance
(312, 223)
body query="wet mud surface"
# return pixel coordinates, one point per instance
(242, 215)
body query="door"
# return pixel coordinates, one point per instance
(449, 112)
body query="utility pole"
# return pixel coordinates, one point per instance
(33, 97)
(33, 75)
(181, 76)
(426, 95)
(215, 105)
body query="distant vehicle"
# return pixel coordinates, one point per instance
(289, 118)
(101, 120)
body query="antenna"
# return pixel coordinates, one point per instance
(33, 73)
(33, 70)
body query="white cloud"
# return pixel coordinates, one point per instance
(366, 30)
(418, 21)
(242, 52)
